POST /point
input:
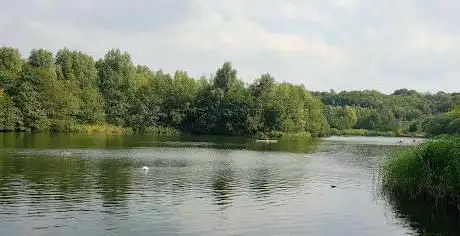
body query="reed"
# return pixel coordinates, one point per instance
(97, 129)
(430, 170)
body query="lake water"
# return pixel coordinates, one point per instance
(95, 185)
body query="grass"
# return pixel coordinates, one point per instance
(279, 134)
(373, 133)
(111, 129)
(362, 132)
(97, 129)
(103, 129)
(430, 170)
(160, 130)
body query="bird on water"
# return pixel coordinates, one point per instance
(145, 168)
(65, 153)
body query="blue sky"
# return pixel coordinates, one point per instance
(323, 44)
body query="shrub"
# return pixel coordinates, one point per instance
(430, 170)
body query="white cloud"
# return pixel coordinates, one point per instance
(339, 44)
(424, 41)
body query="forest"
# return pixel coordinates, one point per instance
(72, 92)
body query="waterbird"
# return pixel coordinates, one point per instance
(333, 186)
(145, 168)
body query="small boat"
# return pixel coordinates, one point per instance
(65, 153)
(266, 141)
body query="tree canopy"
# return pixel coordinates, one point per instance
(56, 92)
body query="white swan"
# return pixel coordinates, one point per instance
(145, 168)
(65, 153)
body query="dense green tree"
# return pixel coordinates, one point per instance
(394, 112)
(45, 102)
(9, 115)
(117, 85)
(341, 117)
(10, 67)
(78, 71)
(182, 91)
(367, 118)
(222, 105)
(47, 92)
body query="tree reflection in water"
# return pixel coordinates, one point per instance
(222, 185)
(423, 217)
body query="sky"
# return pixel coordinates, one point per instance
(323, 44)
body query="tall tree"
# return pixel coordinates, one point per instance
(78, 71)
(43, 100)
(117, 85)
(9, 115)
(10, 67)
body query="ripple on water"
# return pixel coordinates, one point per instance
(193, 191)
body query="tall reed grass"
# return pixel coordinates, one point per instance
(280, 134)
(97, 129)
(430, 170)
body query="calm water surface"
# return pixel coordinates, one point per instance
(203, 186)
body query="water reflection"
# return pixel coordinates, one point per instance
(222, 183)
(78, 141)
(271, 189)
(114, 182)
(424, 218)
(260, 182)
(44, 174)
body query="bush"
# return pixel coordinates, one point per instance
(160, 130)
(96, 129)
(430, 170)
(279, 134)
(355, 132)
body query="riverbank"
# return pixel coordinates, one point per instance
(429, 171)
(154, 130)
(101, 129)
(373, 133)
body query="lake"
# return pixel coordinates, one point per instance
(95, 185)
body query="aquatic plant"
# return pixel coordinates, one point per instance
(279, 134)
(96, 129)
(160, 130)
(430, 170)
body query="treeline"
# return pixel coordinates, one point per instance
(71, 92)
(402, 112)
(70, 89)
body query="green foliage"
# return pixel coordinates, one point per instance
(160, 130)
(96, 129)
(116, 83)
(402, 112)
(414, 127)
(71, 92)
(448, 123)
(10, 67)
(45, 102)
(9, 114)
(363, 132)
(367, 118)
(341, 117)
(78, 72)
(429, 170)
